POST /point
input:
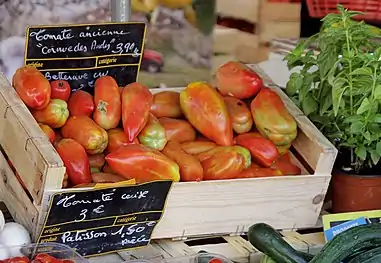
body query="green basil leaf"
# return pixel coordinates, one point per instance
(362, 71)
(375, 157)
(377, 92)
(378, 148)
(309, 105)
(375, 118)
(357, 127)
(365, 106)
(337, 94)
(360, 151)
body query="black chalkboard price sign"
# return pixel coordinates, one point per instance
(80, 54)
(99, 221)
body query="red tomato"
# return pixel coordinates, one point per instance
(60, 89)
(117, 138)
(32, 87)
(81, 103)
(108, 104)
(75, 160)
(45, 258)
(67, 261)
(19, 260)
(238, 80)
(136, 104)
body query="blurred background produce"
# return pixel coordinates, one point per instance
(178, 44)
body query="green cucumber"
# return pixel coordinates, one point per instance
(267, 240)
(267, 259)
(366, 255)
(348, 242)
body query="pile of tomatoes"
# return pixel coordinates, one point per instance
(240, 129)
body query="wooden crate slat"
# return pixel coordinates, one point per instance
(280, 12)
(26, 145)
(237, 248)
(241, 9)
(15, 197)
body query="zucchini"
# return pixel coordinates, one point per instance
(366, 255)
(267, 259)
(267, 240)
(348, 242)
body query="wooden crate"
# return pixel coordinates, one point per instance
(193, 208)
(235, 248)
(240, 9)
(271, 19)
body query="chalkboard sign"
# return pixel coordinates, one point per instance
(100, 221)
(82, 53)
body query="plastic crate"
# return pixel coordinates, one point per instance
(56, 250)
(370, 8)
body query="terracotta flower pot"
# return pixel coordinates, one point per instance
(353, 193)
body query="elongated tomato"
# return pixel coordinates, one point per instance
(108, 105)
(190, 167)
(205, 109)
(136, 104)
(85, 131)
(75, 160)
(32, 87)
(143, 163)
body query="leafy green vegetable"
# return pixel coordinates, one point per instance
(340, 88)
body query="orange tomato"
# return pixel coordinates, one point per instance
(85, 131)
(54, 115)
(48, 132)
(190, 167)
(178, 130)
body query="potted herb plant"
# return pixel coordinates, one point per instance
(339, 89)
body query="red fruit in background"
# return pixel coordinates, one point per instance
(55, 114)
(136, 104)
(238, 80)
(117, 138)
(81, 103)
(32, 87)
(60, 90)
(75, 160)
(108, 105)
(48, 132)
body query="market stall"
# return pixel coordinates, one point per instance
(95, 162)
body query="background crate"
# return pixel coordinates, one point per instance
(193, 208)
(271, 20)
